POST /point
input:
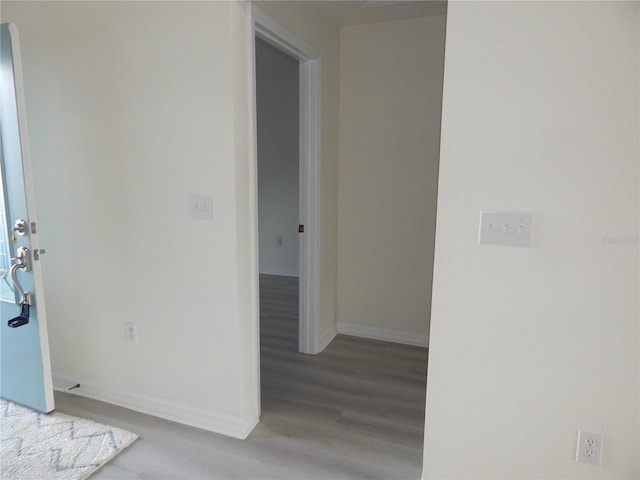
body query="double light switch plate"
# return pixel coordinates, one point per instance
(505, 228)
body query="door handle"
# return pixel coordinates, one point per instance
(24, 259)
(24, 263)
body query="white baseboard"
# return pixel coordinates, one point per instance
(327, 338)
(375, 333)
(236, 427)
(280, 272)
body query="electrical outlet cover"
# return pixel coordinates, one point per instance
(589, 447)
(201, 207)
(130, 332)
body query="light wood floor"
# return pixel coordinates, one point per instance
(356, 411)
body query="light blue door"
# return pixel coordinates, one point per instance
(25, 369)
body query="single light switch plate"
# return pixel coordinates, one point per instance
(505, 228)
(201, 207)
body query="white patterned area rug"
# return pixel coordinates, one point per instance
(54, 446)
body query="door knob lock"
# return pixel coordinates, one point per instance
(20, 227)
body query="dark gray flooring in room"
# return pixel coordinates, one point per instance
(356, 411)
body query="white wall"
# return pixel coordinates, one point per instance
(540, 113)
(303, 20)
(390, 97)
(278, 112)
(132, 108)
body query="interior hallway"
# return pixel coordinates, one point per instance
(355, 411)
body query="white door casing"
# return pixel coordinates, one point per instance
(274, 33)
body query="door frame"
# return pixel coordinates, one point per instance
(273, 32)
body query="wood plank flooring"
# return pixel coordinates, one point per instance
(356, 411)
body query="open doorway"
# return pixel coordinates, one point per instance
(282, 45)
(278, 125)
(278, 154)
(365, 394)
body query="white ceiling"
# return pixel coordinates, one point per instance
(346, 12)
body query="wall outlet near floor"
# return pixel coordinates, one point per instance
(589, 447)
(201, 207)
(130, 332)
